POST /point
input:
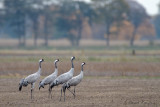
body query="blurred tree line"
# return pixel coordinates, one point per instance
(157, 23)
(65, 18)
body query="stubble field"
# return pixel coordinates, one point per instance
(92, 92)
(111, 79)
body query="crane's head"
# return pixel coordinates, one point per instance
(72, 58)
(83, 63)
(56, 60)
(41, 60)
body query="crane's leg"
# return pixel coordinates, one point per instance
(61, 94)
(32, 87)
(74, 92)
(49, 89)
(70, 91)
(64, 96)
(31, 90)
(64, 90)
(50, 94)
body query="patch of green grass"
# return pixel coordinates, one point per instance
(13, 76)
(121, 77)
(96, 48)
(124, 59)
(149, 59)
(135, 77)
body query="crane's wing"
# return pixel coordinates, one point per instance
(75, 80)
(63, 78)
(49, 79)
(32, 78)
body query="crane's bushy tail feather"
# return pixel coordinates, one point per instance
(65, 86)
(20, 87)
(41, 85)
(52, 85)
(22, 83)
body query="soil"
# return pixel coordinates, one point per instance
(91, 92)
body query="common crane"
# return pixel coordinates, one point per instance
(63, 78)
(49, 79)
(31, 79)
(73, 82)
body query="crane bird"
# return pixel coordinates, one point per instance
(73, 82)
(49, 79)
(31, 79)
(63, 78)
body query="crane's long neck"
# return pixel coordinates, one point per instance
(82, 68)
(40, 65)
(81, 73)
(72, 64)
(55, 71)
(39, 71)
(55, 65)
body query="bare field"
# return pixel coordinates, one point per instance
(106, 84)
(92, 92)
(109, 81)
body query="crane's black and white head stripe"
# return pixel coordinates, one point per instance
(72, 58)
(56, 60)
(83, 63)
(41, 60)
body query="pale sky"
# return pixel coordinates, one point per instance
(150, 5)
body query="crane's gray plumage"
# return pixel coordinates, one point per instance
(73, 82)
(64, 77)
(49, 79)
(31, 79)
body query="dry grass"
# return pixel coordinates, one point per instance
(66, 42)
(22, 66)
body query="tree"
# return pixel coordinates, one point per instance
(110, 12)
(2, 18)
(157, 25)
(65, 21)
(47, 13)
(15, 13)
(35, 8)
(70, 20)
(82, 12)
(137, 15)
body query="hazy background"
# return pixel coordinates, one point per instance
(118, 39)
(101, 31)
(36, 23)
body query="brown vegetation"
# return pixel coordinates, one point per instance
(22, 68)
